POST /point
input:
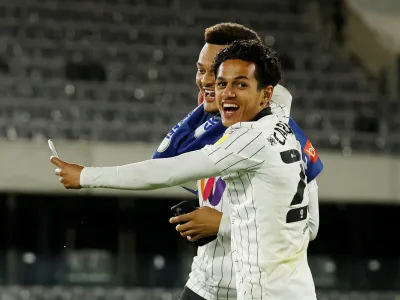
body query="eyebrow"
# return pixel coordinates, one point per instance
(199, 64)
(236, 78)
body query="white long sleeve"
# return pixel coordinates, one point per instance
(313, 209)
(150, 174)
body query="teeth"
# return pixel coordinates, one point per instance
(230, 105)
(209, 92)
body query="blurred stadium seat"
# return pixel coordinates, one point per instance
(59, 52)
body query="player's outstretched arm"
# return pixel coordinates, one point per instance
(145, 175)
(240, 149)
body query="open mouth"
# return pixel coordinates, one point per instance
(230, 107)
(209, 95)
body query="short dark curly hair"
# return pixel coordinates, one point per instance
(268, 67)
(226, 33)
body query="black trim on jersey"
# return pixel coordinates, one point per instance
(290, 156)
(265, 112)
(299, 196)
(237, 138)
(297, 214)
(249, 142)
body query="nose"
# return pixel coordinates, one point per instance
(228, 92)
(208, 79)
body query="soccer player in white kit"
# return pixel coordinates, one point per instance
(260, 160)
(266, 195)
(212, 275)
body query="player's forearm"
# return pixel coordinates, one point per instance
(313, 221)
(150, 174)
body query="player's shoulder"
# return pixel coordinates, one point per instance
(276, 131)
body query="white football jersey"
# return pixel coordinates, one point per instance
(265, 176)
(213, 276)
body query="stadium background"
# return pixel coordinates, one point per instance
(106, 79)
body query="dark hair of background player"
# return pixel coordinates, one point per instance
(227, 33)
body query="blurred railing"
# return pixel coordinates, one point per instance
(92, 268)
(100, 293)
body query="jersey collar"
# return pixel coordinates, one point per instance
(265, 112)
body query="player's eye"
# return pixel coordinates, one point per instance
(241, 85)
(221, 84)
(201, 71)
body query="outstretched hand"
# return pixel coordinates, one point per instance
(70, 174)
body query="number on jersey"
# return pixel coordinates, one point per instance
(300, 213)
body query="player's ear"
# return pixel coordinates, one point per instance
(266, 95)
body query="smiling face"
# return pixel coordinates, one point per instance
(237, 94)
(205, 79)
